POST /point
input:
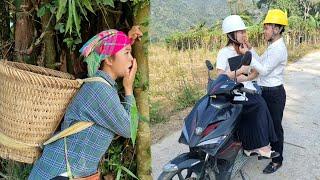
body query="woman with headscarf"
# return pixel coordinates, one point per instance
(108, 56)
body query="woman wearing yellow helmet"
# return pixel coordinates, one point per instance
(270, 67)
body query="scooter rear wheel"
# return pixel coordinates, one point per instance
(186, 174)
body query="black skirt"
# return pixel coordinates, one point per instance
(256, 126)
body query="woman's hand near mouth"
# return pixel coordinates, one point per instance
(128, 79)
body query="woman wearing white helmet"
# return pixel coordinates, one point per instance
(271, 76)
(256, 128)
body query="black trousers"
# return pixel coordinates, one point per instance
(275, 98)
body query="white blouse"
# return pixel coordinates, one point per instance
(271, 64)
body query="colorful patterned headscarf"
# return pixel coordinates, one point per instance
(102, 46)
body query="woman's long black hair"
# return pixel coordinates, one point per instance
(233, 41)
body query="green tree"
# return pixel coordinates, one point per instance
(141, 91)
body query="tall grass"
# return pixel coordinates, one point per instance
(169, 69)
(177, 78)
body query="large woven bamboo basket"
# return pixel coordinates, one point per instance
(33, 100)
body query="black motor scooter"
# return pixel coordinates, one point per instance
(210, 131)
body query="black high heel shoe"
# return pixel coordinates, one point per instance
(271, 168)
(250, 153)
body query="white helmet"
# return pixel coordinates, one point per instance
(233, 23)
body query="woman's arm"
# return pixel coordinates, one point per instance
(232, 74)
(254, 73)
(250, 77)
(273, 59)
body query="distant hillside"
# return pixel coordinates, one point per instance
(169, 16)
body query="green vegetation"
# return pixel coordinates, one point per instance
(155, 115)
(12, 170)
(119, 159)
(188, 97)
(304, 27)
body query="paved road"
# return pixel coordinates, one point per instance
(301, 126)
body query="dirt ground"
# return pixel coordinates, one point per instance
(175, 122)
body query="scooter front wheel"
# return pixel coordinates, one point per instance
(187, 174)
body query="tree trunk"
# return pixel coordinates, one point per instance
(144, 137)
(63, 61)
(4, 28)
(48, 40)
(24, 33)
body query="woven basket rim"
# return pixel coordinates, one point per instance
(9, 63)
(53, 78)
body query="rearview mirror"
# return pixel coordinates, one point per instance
(209, 65)
(236, 62)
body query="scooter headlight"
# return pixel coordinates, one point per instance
(216, 140)
(170, 167)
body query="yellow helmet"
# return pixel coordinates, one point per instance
(276, 16)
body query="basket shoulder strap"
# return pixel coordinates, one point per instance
(13, 143)
(16, 144)
(75, 128)
(96, 79)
